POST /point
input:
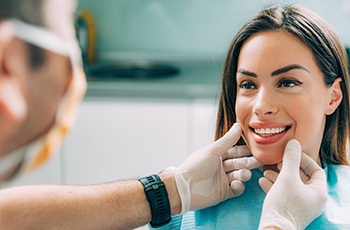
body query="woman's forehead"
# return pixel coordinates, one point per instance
(275, 47)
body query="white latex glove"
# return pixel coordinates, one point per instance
(202, 180)
(290, 203)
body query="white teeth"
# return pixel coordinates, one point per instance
(269, 131)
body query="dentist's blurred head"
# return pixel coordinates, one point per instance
(38, 62)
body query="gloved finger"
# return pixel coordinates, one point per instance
(303, 176)
(279, 165)
(317, 175)
(237, 188)
(241, 163)
(308, 165)
(241, 175)
(291, 159)
(237, 151)
(271, 175)
(221, 146)
(313, 170)
(265, 184)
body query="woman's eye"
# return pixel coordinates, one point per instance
(288, 83)
(247, 85)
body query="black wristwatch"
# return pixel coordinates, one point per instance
(157, 197)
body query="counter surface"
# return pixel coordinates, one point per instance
(196, 79)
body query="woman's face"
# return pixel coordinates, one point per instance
(281, 95)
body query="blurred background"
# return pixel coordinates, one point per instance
(153, 69)
(190, 28)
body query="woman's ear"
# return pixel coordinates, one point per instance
(12, 102)
(336, 96)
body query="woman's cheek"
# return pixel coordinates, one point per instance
(241, 111)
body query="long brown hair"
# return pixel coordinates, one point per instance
(330, 57)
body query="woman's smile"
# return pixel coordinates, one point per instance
(268, 135)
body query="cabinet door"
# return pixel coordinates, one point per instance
(123, 139)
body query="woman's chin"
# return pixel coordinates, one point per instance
(268, 159)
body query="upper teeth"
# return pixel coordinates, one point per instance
(269, 131)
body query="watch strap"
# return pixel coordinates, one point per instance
(157, 197)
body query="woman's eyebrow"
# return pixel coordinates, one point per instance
(246, 72)
(288, 68)
(276, 72)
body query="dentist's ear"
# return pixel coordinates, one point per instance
(336, 96)
(12, 102)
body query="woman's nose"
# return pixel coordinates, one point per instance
(265, 103)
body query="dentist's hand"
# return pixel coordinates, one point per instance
(202, 180)
(290, 203)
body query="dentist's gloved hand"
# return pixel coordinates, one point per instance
(290, 203)
(202, 180)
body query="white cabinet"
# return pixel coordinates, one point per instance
(120, 138)
(126, 138)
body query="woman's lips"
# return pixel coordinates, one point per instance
(269, 135)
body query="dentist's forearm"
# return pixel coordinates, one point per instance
(120, 205)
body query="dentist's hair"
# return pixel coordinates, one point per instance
(29, 11)
(329, 54)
